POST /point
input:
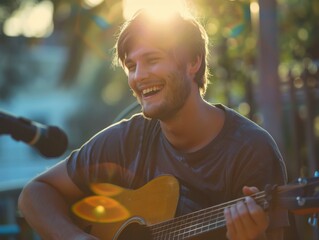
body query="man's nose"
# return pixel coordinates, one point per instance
(141, 72)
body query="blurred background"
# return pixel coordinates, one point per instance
(56, 69)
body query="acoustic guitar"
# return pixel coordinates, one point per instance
(115, 213)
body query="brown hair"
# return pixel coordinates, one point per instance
(182, 35)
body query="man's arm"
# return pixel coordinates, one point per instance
(45, 202)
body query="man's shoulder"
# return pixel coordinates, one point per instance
(245, 129)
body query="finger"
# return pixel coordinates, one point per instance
(252, 218)
(257, 214)
(249, 190)
(245, 226)
(238, 226)
(229, 224)
(241, 219)
(244, 214)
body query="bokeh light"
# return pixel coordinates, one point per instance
(244, 108)
(25, 20)
(316, 126)
(254, 7)
(92, 3)
(298, 82)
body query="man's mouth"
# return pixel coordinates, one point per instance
(151, 91)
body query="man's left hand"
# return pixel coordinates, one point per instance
(246, 220)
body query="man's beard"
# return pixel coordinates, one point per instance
(171, 104)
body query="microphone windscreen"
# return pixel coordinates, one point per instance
(54, 144)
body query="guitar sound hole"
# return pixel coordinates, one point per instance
(135, 231)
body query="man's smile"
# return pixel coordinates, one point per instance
(151, 90)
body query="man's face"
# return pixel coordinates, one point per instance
(160, 85)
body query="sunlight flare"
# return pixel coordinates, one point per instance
(158, 9)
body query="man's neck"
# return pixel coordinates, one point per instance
(194, 126)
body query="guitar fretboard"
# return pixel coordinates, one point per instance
(198, 222)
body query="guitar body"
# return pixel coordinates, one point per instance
(147, 213)
(153, 203)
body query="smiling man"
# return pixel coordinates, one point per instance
(215, 154)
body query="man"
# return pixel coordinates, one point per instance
(215, 153)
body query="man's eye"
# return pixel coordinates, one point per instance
(153, 60)
(130, 68)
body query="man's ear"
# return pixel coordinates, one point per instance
(194, 65)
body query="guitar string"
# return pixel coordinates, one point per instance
(190, 230)
(162, 228)
(191, 216)
(212, 213)
(181, 233)
(178, 231)
(208, 210)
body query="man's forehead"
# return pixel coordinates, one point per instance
(143, 47)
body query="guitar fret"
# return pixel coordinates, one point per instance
(196, 229)
(180, 228)
(194, 223)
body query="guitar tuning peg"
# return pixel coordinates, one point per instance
(313, 221)
(301, 201)
(302, 180)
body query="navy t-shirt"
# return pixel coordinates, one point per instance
(133, 152)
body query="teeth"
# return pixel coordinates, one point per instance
(152, 89)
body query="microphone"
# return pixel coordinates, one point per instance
(50, 141)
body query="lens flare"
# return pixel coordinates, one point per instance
(106, 189)
(100, 209)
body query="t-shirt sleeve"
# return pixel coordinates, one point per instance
(106, 156)
(92, 162)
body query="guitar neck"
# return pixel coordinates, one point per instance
(196, 223)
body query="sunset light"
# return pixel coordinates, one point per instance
(159, 9)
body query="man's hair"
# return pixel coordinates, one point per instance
(182, 36)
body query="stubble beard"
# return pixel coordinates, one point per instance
(172, 102)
